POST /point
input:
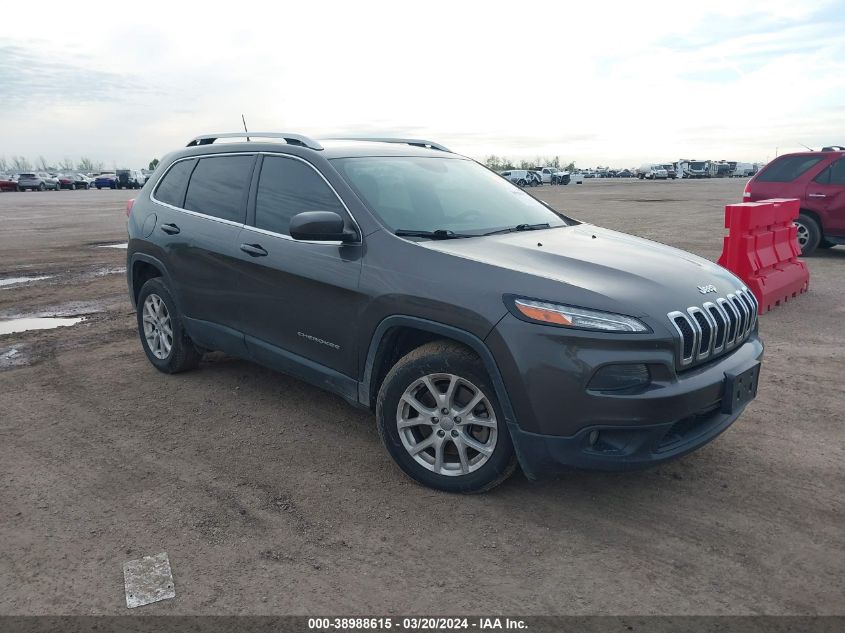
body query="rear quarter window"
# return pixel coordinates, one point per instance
(833, 175)
(788, 168)
(171, 189)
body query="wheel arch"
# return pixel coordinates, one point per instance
(394, 335)
(815, 217)
(142, 268)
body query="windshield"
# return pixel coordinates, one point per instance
(444, 194)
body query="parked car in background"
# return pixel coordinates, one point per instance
(38, 181)
(521, 177)
(575, 178)
(817, 179)
(130, 179)
(625, 173)
(652, 171)
(8, 182)
(106, 180)
(553, 175)
(74, 181)
(671, 172)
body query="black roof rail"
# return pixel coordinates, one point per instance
(289, 137)
(417, 142)
(833, 148)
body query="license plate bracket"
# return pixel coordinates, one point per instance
(740, 388)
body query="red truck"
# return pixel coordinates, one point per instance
(817, 179)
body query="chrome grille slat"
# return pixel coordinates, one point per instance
(743, 314)
(714, 327)
(721, 324)
(748, 297)
(733, 321)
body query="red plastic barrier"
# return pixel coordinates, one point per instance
(761, 248)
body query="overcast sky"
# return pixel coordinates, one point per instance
(594, 82)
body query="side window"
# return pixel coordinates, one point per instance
(833, 175)
(171, 189)
(286, 187)
(787, 169)
(218, 185)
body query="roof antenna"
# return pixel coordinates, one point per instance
(245, 130)
(809, 149)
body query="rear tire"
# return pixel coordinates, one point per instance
(445, 441)
(809, 234)
(166, 344)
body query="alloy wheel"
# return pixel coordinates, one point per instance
(803, 234)
(447, 424)
(158, 328)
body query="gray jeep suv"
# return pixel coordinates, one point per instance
(484, 329)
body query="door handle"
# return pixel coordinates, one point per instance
(255, 250)
(170, 229)
(816, 195)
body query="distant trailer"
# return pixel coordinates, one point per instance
(743, 170)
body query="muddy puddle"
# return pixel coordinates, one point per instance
(16, 281)
(12, 357)
(26, 324)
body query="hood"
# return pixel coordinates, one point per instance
(592, 267)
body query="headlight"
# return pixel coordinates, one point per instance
(580, 318)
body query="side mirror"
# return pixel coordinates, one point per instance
(320, 226)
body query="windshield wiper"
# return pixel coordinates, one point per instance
(521, 227)
(439, 234)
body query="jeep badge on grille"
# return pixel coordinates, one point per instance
(705, 289)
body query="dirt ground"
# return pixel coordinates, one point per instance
(272, 497)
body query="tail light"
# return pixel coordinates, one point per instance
(129, 204)
(746, 194)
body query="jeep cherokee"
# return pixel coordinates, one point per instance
(483, 328)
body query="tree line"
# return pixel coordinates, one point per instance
(502, 163)
(84, 165)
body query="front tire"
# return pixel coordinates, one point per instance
(809, 234)
(441, 422)
(166, 344)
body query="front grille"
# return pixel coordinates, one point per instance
(714, 327)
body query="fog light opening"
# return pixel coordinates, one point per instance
(620, 378)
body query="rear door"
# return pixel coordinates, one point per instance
(199, 229)
(782, 178)
(298, 298)
(826, 196)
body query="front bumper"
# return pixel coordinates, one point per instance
(617, 448)
(559, 424)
